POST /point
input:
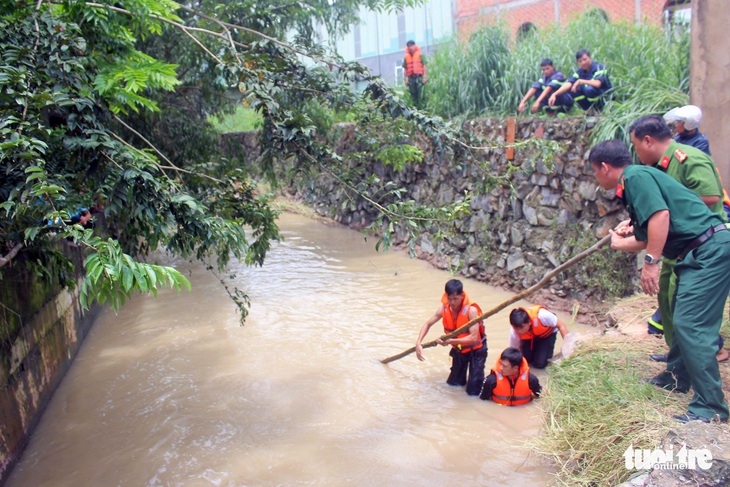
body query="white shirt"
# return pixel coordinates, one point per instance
(546, 318)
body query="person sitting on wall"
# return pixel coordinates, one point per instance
(550, 81)
(510, 382)
(469, 349)
(534, 332)
(589, 83)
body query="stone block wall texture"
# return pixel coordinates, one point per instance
(42, 327)
(525, 226)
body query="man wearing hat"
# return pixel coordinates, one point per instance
(687, 122)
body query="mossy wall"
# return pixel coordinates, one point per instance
(540, 215)
(41, 329)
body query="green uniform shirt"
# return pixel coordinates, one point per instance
(695, 170)
(646, 190)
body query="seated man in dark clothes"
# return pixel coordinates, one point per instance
(510, 383)
(550, 81)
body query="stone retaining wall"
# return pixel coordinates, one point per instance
(517, 230)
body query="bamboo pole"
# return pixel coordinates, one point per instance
(543, 282)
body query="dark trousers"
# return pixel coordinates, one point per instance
(563, 103)
(588, 96)
(702, 288)
(538, 351)
(415, 84)
(473, 363)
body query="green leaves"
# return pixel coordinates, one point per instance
(70, 72)
(113, 276)
(122, 82)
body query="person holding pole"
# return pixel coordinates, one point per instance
(670, 220)
(468, 349)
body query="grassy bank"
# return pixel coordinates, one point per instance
(596, 405)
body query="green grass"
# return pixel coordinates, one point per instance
(241, 120)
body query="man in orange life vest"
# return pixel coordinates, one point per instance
(414, 69)
(534, 331)
(510, 383)
(469, 349)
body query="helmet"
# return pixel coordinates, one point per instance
(690, 115)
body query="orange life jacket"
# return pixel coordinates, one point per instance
(414, 65)
(505, 393)
(537, 329)
(462, 319)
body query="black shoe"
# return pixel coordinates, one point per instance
(690, 416)
(667, 386)
(659, 357)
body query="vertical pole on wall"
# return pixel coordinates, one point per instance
(637, 11)
(510, 152)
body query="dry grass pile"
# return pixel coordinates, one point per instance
(596, 407)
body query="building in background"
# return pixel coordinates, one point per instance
(523, 16)
(379, 41)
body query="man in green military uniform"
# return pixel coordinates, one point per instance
(696, 170)
(669, 219)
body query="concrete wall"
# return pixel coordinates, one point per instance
(42, 330)
(710, 76)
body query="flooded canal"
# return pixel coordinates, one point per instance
(172, 391)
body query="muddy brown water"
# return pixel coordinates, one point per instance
(172, 391)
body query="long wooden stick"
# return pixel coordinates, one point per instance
(543, 282)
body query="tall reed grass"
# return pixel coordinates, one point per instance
(487, 75)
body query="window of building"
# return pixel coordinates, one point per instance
(358, 42)
(399, 73)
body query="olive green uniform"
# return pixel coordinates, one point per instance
(696, 171)
(702, 282)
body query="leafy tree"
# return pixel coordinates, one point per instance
(81, 90)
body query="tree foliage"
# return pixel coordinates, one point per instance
(103, 106)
